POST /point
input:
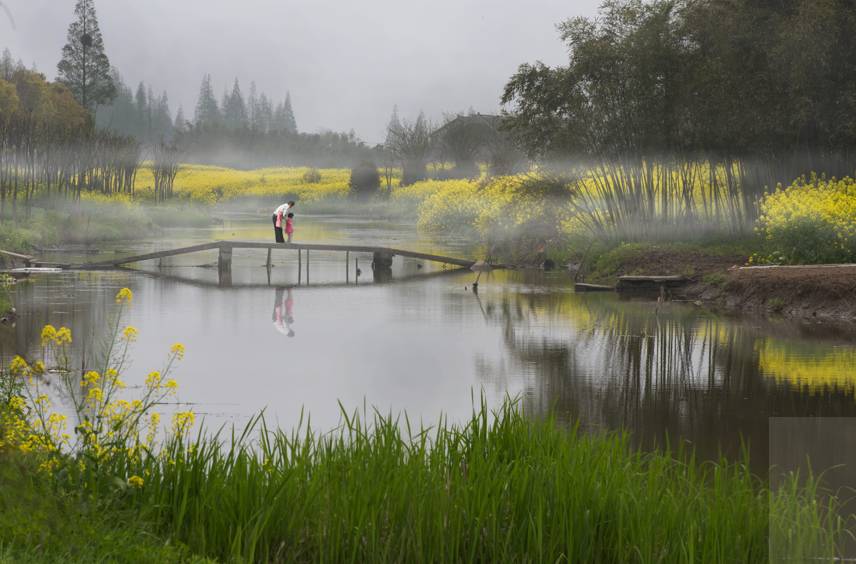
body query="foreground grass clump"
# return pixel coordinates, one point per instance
(42, 522)
(813, 221)
(500, 488)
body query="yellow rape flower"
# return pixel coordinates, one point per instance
(171, 385)
(153, 379)
(124, 296)
(19, 366)
(183, 421)
(48, 334)
(90, 378)
(95, 395)
(63, 336)
(130, 334)
(17, 403)
(178, 350)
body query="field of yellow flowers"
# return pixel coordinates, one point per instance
(812, 221)
(211, 184)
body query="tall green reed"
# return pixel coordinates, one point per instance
(501, 487)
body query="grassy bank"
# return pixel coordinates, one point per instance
(5, 300)
(500, 487)
(49, 224)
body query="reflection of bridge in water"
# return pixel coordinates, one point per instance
(226, 282)
(381, 263)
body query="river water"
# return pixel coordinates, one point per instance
(425, 344)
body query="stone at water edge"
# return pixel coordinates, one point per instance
(481, 266)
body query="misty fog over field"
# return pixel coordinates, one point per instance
(345, 63)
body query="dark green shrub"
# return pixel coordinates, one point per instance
(365, 180)
(312, 176)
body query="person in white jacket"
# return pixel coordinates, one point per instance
(279, 215)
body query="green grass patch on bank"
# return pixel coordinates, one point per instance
(40, 521)
(56, 223)
(5, 299)
(604, 263)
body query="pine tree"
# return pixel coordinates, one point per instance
(278, 123)
(207, 112)
(180, 120)
(141, 106)
(252, 105)
(290, 122)
(264, 115)
(7, 65)
(393, 127)
(84, 67)
(120, 115)
(234, 110)
(161, 120)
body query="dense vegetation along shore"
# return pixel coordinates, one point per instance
(699, 228)
(499, 487)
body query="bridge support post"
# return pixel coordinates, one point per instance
(224, 261)
(382, 266)
(347, 267)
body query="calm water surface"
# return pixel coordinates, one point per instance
(425, 344)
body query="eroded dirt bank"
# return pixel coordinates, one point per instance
(824, 293)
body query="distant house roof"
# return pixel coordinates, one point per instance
(491, 121)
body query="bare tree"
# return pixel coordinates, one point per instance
(410, 143)
(165, 165)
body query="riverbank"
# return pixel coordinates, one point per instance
(719, 278)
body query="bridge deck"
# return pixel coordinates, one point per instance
(229, 245)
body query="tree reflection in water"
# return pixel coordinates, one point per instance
(674, 376)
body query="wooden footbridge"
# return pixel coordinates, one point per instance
(381, 264)
(382, 255)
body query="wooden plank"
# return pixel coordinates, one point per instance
(26, 259)
(583, 287)
(649, 284)
(664, 278)
(148, 256)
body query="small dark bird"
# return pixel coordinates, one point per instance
(359, 272)
(418, 265)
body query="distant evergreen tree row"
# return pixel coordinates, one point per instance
(141, 115)
(237, 130)
(256, 113)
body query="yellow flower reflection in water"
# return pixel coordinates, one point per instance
(832, 367)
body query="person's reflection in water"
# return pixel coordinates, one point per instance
(283, 311)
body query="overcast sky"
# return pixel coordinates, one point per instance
(345, 62)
